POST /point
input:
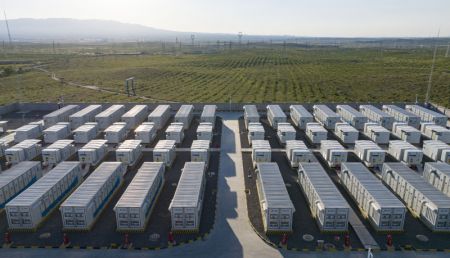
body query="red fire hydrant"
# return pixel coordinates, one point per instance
(347, 241)
(389, 240)
(7, 239)
(65, 239)
(284, 239)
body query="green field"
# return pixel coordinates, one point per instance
(297, 74)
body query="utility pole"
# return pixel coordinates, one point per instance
(427, 96)
(448, 49)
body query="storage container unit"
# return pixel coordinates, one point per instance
(296, 152)
(57, 152)
(57, 132)
(3, 126)
(352, 116)
(85, 115)
(380, 206)
(26, 132)
(376, 115)
(300, 116)
(23, 151)
(209, 114)
(377, 133)
(18, 178)
(135, 206)
(285, 132)
(164, 151)
(186, 205)
(316, 133)
(438, 175)
(184, 115)
(175, 132)
(422, 199)
(276, 206)
(5, 142)
(109, 116)
(347, 133)
(437, 150)
(435, 132)
(135, 116)
(405, 152)
(427, 115)
(325, 116)
(200, 151)
(275, 115)
(159, 116)
(146, 132)
(261, 151)
(255, 132)
(333, 152)
(27, 210)
(86, 132)
(93, 152)
(205, 131)
(401, 115)
(370, 153)
(60, 115)
(406, 132)
(84, 206)
(116, 132)
(326, 203)
(251, 115)
(129, 152)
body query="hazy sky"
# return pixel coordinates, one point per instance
(282, 17)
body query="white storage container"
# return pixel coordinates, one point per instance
(401, 115)
(205, 131)
(186, 205)
(184, 115)
(300, 116)
(209, 114)
(376, 115)
(285, 132)
(175, 132)
(200, 151)
(326, 203)
(437, 150)
(164, 151)
(380, 206)
(261, 151)
(116, 132)
(159, 116)
(57, 132)
(422, 199)
(251, 115)
(86, 132)
(296, 152)
(32, 206)
(333, 152)
(135, 206)
(129, 152)
(427, 115)
(3, 126)
(26, 132)
(23, 151)
(275, 115)
(84, 206)
(18, 178)
(325, 116)
(406, 132)
(352, 116)
(255, 132)
(146, 132)
(57, 152)
(109, 116)
(405, 152)
(276, 206)
(93, 152)
(438, 175)
(370, 153)
(435, 132)
(347, 133)
(5, 142)
(60, 115)
(85, 115)
(135, 116)
(316, 133)
(377, 133)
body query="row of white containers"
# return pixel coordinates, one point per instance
(86, 132)
(159, 116)
(285, 132)
(427, 115)
(129, 152)
(352, 116)
(435, 132)
(377, 133)
(255, 132)
(261, 151)
(347, 133)
(209, 114)
(205, 131)
(109, 116)
(5, 142)
(57, 132)
(116, 132)
(60, 115)
(135, 116)
(401, 115)
(23, 151)
(333, 152)
(58, 151)
(93, 152)
(275, 115)
(437, 150)
(406, 132)
(325, 116)
(438, 175)
(316, 133)
(85, 115)
(405, 152)
(164, 151)
(376, 115)
(29, 131)
(184, 115)
(370, 153)
(200, 151)
(297, 152)
(146, 132)
(175, 131)
(300, 116)
(251, 115)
